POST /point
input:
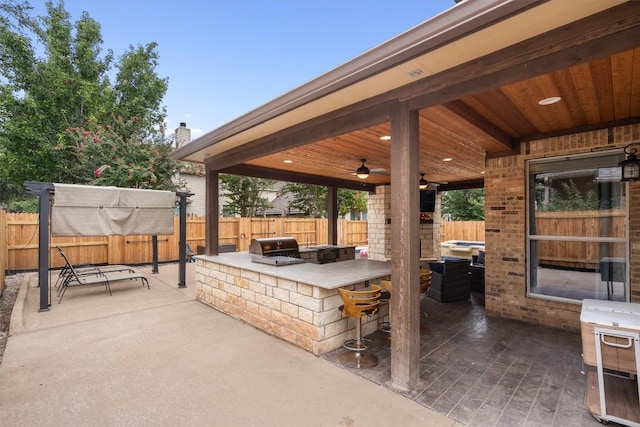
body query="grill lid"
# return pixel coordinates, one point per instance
(275, 246)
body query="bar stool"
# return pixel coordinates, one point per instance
(358, 304)
(385, 297)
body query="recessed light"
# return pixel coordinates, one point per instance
(385, 137)
(550, 100)
(287, 161)
(447, 159)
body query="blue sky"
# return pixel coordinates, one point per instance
(225, 58)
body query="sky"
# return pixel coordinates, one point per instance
(224, 58)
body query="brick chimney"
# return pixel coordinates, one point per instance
(183, 135)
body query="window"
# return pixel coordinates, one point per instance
(577, 228)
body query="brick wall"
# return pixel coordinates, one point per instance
(505, 228)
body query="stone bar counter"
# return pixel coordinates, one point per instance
(298, 303)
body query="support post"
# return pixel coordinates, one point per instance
(182, 246)
(332, 215)
(405, 248)
(212, 225)
(42, 190)
(154, 248)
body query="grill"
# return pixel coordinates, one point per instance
(275, 251)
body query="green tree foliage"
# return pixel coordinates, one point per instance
(118, 156)
(570, 198)
(54, 77)
(463, 205)
(311, 200)
(244, 194)
(352, 201)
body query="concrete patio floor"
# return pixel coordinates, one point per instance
(160, 358)
(484, 371)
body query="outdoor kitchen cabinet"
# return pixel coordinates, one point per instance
(611, 344)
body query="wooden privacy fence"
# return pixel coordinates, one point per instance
(21, 240)
(3, 248)
(462, 230)
(580, 255)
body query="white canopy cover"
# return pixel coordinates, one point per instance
(83, 210)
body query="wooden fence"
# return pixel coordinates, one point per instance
(21, 240)
(580, 255)
(462, 230)
(3, 248)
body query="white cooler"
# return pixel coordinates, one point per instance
(618, 352)
(611, 341)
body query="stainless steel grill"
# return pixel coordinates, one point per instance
(275, 251)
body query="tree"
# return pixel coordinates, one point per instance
(463, 205)
(351, 201)
(312, 200)
(118, 156)
(244, 194)
(66, 88)
(570, 198)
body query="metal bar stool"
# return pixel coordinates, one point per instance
(358, 304)
(385, 298)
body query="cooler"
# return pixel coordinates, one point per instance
(611, 343)
(618, 352)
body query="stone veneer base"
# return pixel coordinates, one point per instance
(301, 313)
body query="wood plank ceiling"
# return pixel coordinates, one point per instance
(480, 109)
(605, 90)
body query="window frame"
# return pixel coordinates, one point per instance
(530, 216)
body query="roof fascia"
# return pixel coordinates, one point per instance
(461, 19)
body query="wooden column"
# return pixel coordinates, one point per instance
(405, 247)
(332, 215)
(212, 224)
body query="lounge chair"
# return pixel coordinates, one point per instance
(90, 270)
(96, 277)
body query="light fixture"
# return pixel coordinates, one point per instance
(423, 182)
(630, 166)
(287, 161)
(550, 100)
(447, 159)
(385, 138)
(363, 171)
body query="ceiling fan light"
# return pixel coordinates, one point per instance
(423, 182)
(363, 171)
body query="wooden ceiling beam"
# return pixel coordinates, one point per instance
(280, 175)
(330, 125)
(462, 185)
(612, 31)
(469, 115)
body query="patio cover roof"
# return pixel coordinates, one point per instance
(475, 73)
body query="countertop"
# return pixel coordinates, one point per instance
(328, 276)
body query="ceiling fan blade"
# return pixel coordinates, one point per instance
(379, 171)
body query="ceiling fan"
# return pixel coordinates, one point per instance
(424, 184)
(363, 171)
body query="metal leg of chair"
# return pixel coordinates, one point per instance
(356, 356)
(384, 340)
